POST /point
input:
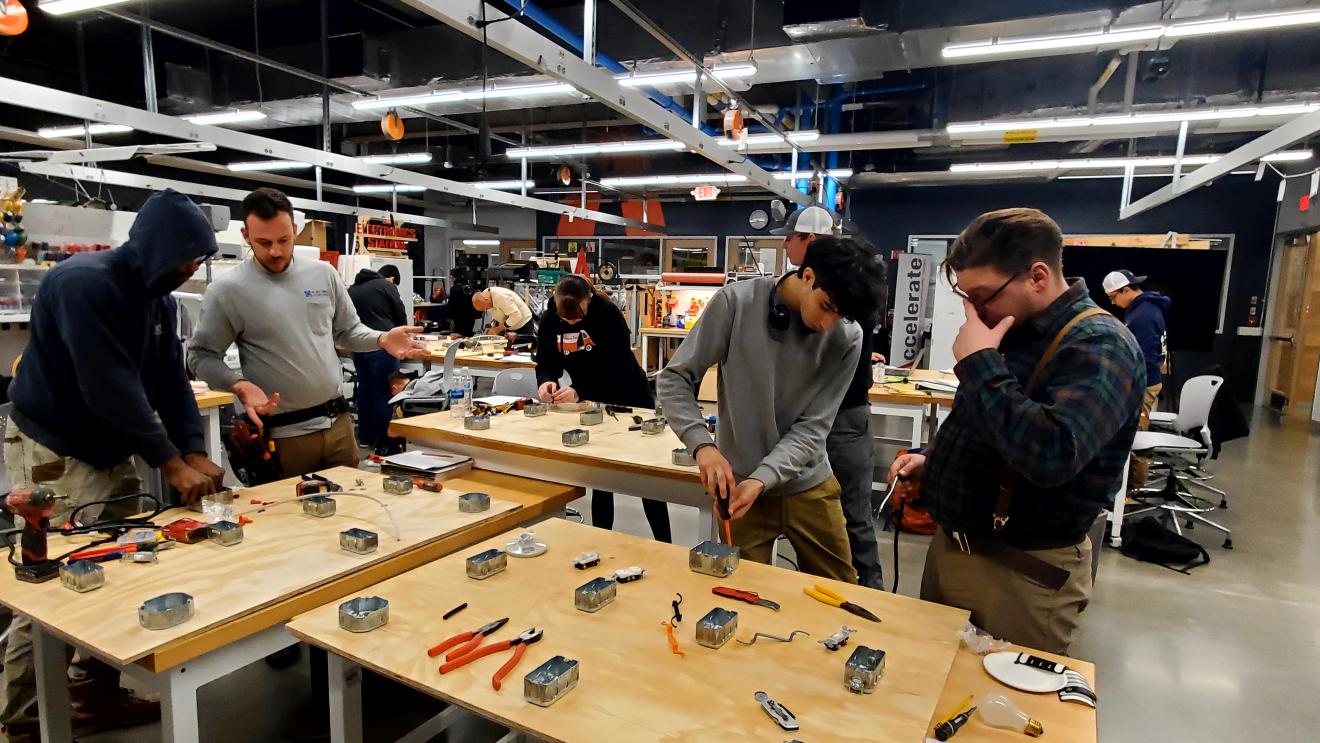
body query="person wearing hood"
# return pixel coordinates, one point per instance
(287, 316)
(102, 380)
(375, 295)
(1143, 313)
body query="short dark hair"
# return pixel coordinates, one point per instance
(849, 273)
(266, 203)
(457, 272)
(390, 271)
(1008, 240)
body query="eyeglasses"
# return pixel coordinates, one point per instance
(995, 293)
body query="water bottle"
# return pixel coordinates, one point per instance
(468, 383)
(458, 400)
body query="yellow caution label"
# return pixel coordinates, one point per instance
(1019, 136)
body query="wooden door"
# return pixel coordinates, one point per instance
(1294, 340)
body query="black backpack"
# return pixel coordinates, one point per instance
(1150, 541)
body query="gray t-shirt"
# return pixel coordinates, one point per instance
(287, 326)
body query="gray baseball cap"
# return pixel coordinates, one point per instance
(812, 220)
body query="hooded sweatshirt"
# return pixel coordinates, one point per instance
(103, 358)
(377, 301)
(1145, 318)
(597, 354)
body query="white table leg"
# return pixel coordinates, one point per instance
(345, 679)
(646, 345)
(51, 657)
(214, 450)
(1120, 504)
(178, 707)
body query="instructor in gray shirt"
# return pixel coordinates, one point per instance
(785, 356)
(287, 316)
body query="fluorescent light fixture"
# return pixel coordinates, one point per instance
(388, 188)
(504, 185)
(806, 135)
(42, 201)
(1154, 117)
(714, 179)
(688, 77)
(268, 165)
(802, 175)
(1288, 156)
(1119, 36)
(1169, 174)
(398, 158)
(1107, 163)
(66, 7)
(472, 94)
(78, 131)
(225, 117)
(481, 243)
(603, 148)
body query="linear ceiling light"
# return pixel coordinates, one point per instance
(480, 243)
(399, 158)
(268, 165)
(806, 135)
(1106, 163)
(837, 174)
(65, 7)
(1168, 174)
(455, 96)
(1118, 36)
(604, 148)
(504, 185)
(388, 188)
(1154, 117)
(671, 77)
(225, 117)
(52, 132)
(717, 179)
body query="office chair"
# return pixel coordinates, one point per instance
(1194, 403)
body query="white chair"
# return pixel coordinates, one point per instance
(516, 383)
(1194, 403)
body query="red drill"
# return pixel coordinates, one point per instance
(35, 505)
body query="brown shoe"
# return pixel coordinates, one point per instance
(113, 709)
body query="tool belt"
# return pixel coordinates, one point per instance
(331, 409)
(1015, 558)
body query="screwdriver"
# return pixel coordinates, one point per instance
(949, 727)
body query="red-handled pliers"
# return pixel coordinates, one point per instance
(750, 597)
(519, 645)
(470, 640)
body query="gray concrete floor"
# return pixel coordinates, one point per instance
(1224, 654)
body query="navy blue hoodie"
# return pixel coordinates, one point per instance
(1145, 318)
(103, 357)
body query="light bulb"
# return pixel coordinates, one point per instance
(999, 711)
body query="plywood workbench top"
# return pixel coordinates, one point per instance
(632, 688)
(906, 393)
(213, 399)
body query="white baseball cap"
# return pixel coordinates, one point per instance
(1116, 280)
(813, 220)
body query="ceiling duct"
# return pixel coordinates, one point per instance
(818, 20)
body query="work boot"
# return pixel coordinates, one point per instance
(111, 709)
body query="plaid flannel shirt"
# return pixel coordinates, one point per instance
(1066, 444)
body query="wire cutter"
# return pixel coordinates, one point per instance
(519, 645)
(826, 596)
(469, 639)
(750, 597)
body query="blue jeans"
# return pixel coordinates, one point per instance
(372, 394)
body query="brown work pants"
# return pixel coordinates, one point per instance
(319, 450)
(1141, 464)
(1005, 603)
(813, 523)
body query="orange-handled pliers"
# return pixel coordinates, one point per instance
(519, 645)
(469, 640)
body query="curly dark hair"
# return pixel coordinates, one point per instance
(851, 273)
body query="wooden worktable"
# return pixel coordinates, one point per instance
(287, 563)
(478, 360)
(632, 688)
(906, 393)
(213, 399)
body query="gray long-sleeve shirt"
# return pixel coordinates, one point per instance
(287, 326)
(778, 390)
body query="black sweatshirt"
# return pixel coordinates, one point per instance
(103, 358)
(377, 301)
(596, 353)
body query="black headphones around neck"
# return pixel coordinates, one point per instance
(779, 317)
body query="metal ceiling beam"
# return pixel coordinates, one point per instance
(1285, 136)
(152, 183)
(81, 107)
(527, 46)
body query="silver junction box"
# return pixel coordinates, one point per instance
(485, 564)
(546, 683)
(717, 627)
(863, 670)
(713, 558)
(595, 594)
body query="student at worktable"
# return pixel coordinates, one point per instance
(102, 379)
(287, 317)
(786, 350)
(1049, 393)
(584, 333)
(509, 314)
(376, 298)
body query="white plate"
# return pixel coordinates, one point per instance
(1003, 666)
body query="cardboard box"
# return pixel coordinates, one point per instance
(315, 233)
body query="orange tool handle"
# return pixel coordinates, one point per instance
(462, 660)
(447, 644)
(734, 593)
(509, 664)
(465, 648)
(673, 641)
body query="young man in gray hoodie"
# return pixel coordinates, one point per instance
(786, 350)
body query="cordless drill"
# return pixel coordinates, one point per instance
(35, 505)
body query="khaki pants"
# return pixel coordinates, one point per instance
(1005, 603)
(813, 522)
(30, 464)
(1140, 465)
(319, 450)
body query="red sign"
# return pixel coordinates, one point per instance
(706, 193)
(1304, 203)
(385, 236)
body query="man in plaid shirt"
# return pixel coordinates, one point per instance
(1016, 477)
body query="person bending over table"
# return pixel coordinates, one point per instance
(584, 333)
(785, 356)
(510, 315)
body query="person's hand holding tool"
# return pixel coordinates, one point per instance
(400, 344)
(744, 495)
(975, 335)
(908, 465)
(547, 391)
(199, 462)
(190, 483)
(877, 358)
(255, 401)
(716, 472)
(511, 337)
(565, 394)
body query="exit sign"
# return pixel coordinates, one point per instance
(705, 193)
